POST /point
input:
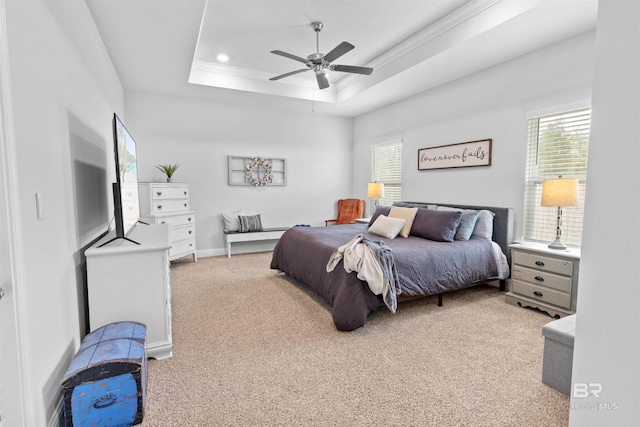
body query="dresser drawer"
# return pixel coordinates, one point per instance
(551, 296)
(169, 192)
(163, 206)
(542, 278)
(182, 232)
(177, 219)
(182, 247)
(541, 262)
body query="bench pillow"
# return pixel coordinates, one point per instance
(250, 223)
(231, 220)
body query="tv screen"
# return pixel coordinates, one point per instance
(125, 197)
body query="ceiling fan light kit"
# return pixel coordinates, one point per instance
(320, 63)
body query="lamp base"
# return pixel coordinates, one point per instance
(557, 244)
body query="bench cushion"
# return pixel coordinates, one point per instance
(562, 330)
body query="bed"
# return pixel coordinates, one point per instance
(427, 266)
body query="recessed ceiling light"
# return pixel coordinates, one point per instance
(222, 57)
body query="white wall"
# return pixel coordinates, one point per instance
(489, 104)
(64, 92)
(607, 342)
(199, 135)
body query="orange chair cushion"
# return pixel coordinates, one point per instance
(349, 210)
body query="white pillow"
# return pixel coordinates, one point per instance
(408, 214)
(387, 227)
(484, 225)
(231, 220)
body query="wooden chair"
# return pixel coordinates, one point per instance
(348, 211)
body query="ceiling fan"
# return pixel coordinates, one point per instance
(321, 63)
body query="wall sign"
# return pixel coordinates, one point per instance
(462, 155)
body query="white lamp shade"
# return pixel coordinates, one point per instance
(375, 190)
(559, 192)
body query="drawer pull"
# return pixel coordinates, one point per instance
(159, 207)
(163, 222)
(159, 193)
(537, 293)
(185, 205)
(190, 231)
(540, 263)
(190, 244)
(539, 278)
(105, 401)
(188, 219)
(185, 193)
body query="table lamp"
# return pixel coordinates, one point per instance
(559, 192)
(375, 190)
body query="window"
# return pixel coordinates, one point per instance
(557, 146)
(386, 167)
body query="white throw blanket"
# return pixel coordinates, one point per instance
(374, 265)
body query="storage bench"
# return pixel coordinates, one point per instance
(105, 384)
(557, 361)
(252, 236)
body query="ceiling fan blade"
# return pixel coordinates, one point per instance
(352, 69)
(323, 83)
(282, 76)
(338, 51)
(290, 56)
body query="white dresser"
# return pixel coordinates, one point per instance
(130, 282)
(168, 203)
(543, 278)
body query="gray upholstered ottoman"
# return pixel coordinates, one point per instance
(557, 362)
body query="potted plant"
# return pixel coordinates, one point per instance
(168, 170)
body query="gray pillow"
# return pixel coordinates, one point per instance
(382, 210)
(440, 226)
(250, 223)
(467, 222)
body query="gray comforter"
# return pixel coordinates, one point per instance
(424, 267)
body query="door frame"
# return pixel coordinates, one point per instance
(17, 407)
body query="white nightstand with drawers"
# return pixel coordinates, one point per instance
(168, 203)
(543, 278)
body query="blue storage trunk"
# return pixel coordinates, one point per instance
(106, 382)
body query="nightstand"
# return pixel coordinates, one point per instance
(543, 278)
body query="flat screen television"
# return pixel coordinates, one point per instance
(125, 190)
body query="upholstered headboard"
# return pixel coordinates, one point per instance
(502, 222)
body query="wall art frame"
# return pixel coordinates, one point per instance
(460, 155)
(257, 171)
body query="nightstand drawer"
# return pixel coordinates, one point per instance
(542, 278)
(539, 262)
(551, 296)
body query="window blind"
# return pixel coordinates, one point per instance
(386, 167)
(557, 146)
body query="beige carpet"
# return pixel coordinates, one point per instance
(254, 348)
